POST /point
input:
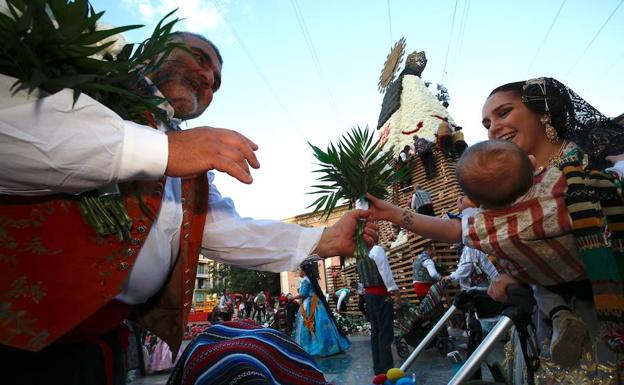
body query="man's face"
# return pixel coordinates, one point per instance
(189, 81)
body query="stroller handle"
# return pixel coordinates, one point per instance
(428, 338)
(481, 352)
(519, 305)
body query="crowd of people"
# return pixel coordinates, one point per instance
(277, 311)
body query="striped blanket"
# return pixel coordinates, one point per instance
(531, 239)
(244, 353)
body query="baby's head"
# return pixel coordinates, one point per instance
(494, 173)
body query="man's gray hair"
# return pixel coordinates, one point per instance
(183, 34)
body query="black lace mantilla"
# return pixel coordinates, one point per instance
(576, 120)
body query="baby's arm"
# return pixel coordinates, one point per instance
(444, 230)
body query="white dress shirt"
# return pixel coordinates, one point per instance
(49, 145)
(431, 269)
(378, 254)
(468, 259)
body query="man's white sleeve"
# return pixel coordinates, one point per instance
(464, 267)
(50, 145)
(378, 254)
(431, 269)
(257, 244)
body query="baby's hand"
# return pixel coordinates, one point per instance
(498, 287)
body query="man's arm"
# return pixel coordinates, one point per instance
(51, 145)
(444, 230)
(464, 267)
(272, 245)
(431, 269)
(381, 260)
(341, 298)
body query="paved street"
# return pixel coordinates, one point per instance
(355, 367)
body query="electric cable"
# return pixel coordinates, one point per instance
(594, 38)
(448, 48)
(552, 24)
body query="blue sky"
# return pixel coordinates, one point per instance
(283, 92)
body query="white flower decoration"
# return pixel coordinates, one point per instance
(113, 49)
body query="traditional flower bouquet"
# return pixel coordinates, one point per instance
(343, 322)
(352, 325)
(50, 45)
(361, 326)
(350, 169)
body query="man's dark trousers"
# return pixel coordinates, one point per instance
(380, 315)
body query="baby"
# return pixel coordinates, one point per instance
(494, 174)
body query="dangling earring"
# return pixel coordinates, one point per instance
(551, 132)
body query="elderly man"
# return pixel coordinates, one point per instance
(64, 289)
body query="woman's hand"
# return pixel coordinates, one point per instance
(435, 228)
(382, 210)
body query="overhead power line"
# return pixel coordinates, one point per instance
(539, 49)
(462, 31)
(595, 36)
(259, 70)
(448, 48)
(315, 59)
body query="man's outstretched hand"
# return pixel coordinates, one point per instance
(338, 239)
(195, 151)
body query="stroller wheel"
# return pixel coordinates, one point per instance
(401, 347)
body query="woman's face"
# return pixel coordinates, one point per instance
(506, 117)
(301, 273)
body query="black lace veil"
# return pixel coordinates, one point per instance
(575, 119)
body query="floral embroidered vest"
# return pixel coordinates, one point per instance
(55, 271)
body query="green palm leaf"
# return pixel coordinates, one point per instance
(350, 168)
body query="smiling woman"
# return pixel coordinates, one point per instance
(539, 115)
(564, 236)
(548, 120)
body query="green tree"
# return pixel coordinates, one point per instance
(250, 281)
(239, 280)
